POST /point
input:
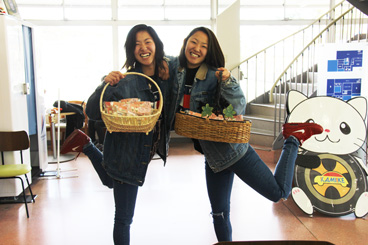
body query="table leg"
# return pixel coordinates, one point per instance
(53, 139)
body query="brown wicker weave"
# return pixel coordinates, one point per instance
(136, 124)
(212, 130)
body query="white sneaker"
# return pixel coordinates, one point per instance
(302, 200)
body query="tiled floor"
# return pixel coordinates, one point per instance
(172, 209)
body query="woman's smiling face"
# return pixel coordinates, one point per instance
(145, 49)
(196, 49)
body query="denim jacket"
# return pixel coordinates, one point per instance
(218, 155)
(126, 155)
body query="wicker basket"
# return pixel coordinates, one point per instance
(212, 130)
(131, 124)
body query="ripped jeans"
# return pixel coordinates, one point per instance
(255, 173)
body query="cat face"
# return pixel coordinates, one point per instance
(344, 129)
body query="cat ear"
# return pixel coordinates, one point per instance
(293, 99)
(360, 104)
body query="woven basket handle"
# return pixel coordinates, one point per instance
(218, 94)
(140, 74)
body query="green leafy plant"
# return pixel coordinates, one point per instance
(229, 112)
(206, 110)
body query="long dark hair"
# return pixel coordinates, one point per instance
(131, 42)
(214, 58)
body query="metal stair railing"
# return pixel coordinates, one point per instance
(260, 69)
(297, 72)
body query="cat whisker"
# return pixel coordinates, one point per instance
(361, 139)
(360, 147)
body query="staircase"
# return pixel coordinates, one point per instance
(265, 82)
(263, 116)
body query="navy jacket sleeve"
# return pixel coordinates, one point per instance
(93, 104)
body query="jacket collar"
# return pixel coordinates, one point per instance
(201, 73)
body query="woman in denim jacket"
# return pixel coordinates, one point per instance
(195, 86)
(123, 164)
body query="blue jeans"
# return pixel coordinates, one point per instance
(96, 157)
(125, 196)
(254, 172)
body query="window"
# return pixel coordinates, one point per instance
(73, 59)
(65, 9)
(164, 10)
(75, 39)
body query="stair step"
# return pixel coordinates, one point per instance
(264, 138)
(265, 109)
(262, 117)
(306, 89)
(280, 99)
(261, 122)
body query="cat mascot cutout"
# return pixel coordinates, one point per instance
(331, 172)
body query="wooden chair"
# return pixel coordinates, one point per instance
(15, 141)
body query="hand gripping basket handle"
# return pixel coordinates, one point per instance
(139, 74)
(218, 92)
